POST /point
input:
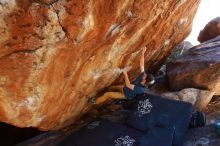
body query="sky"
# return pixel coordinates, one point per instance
(208, 10)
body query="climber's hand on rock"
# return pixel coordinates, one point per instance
(127, 68)
(124, 72)
(143, 50)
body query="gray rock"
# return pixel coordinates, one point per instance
(199, 68)
(179, 50)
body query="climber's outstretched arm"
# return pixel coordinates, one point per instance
(142, 59)
(127, 81)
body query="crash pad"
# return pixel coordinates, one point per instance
(103, 133)
(152, 111)
(106, 133)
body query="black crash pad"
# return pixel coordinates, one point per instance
(159, 136)
(104, 133)
(152, 111)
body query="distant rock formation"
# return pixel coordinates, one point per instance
(56, 54)
(200, 68)
(210, 31)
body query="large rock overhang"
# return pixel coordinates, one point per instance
(54, 55)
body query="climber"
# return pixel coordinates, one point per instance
(130, 90)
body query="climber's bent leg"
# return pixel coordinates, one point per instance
(109, 95)
(117, 88)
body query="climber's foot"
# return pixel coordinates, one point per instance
(91, 101)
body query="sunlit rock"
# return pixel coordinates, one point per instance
(55, 55)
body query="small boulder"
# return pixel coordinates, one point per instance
(210, 31)
(199, 98)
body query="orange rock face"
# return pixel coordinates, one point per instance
(54, 55)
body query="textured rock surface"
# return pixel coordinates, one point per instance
(199, 98)
(54, 55)
(179, 50)
(210, 31)
(200, 68)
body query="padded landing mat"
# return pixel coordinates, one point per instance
(152, 111)
(159, 136)
(104, 133)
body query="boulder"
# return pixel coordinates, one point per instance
(179, 50)
(56, 54)
(210, 31)
(199, 98)
(200, 68)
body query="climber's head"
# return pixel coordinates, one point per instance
(144, 79)
(147, 79)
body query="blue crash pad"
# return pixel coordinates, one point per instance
(103, 133)
(106, 133)
(152, 111)
(159, 136)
